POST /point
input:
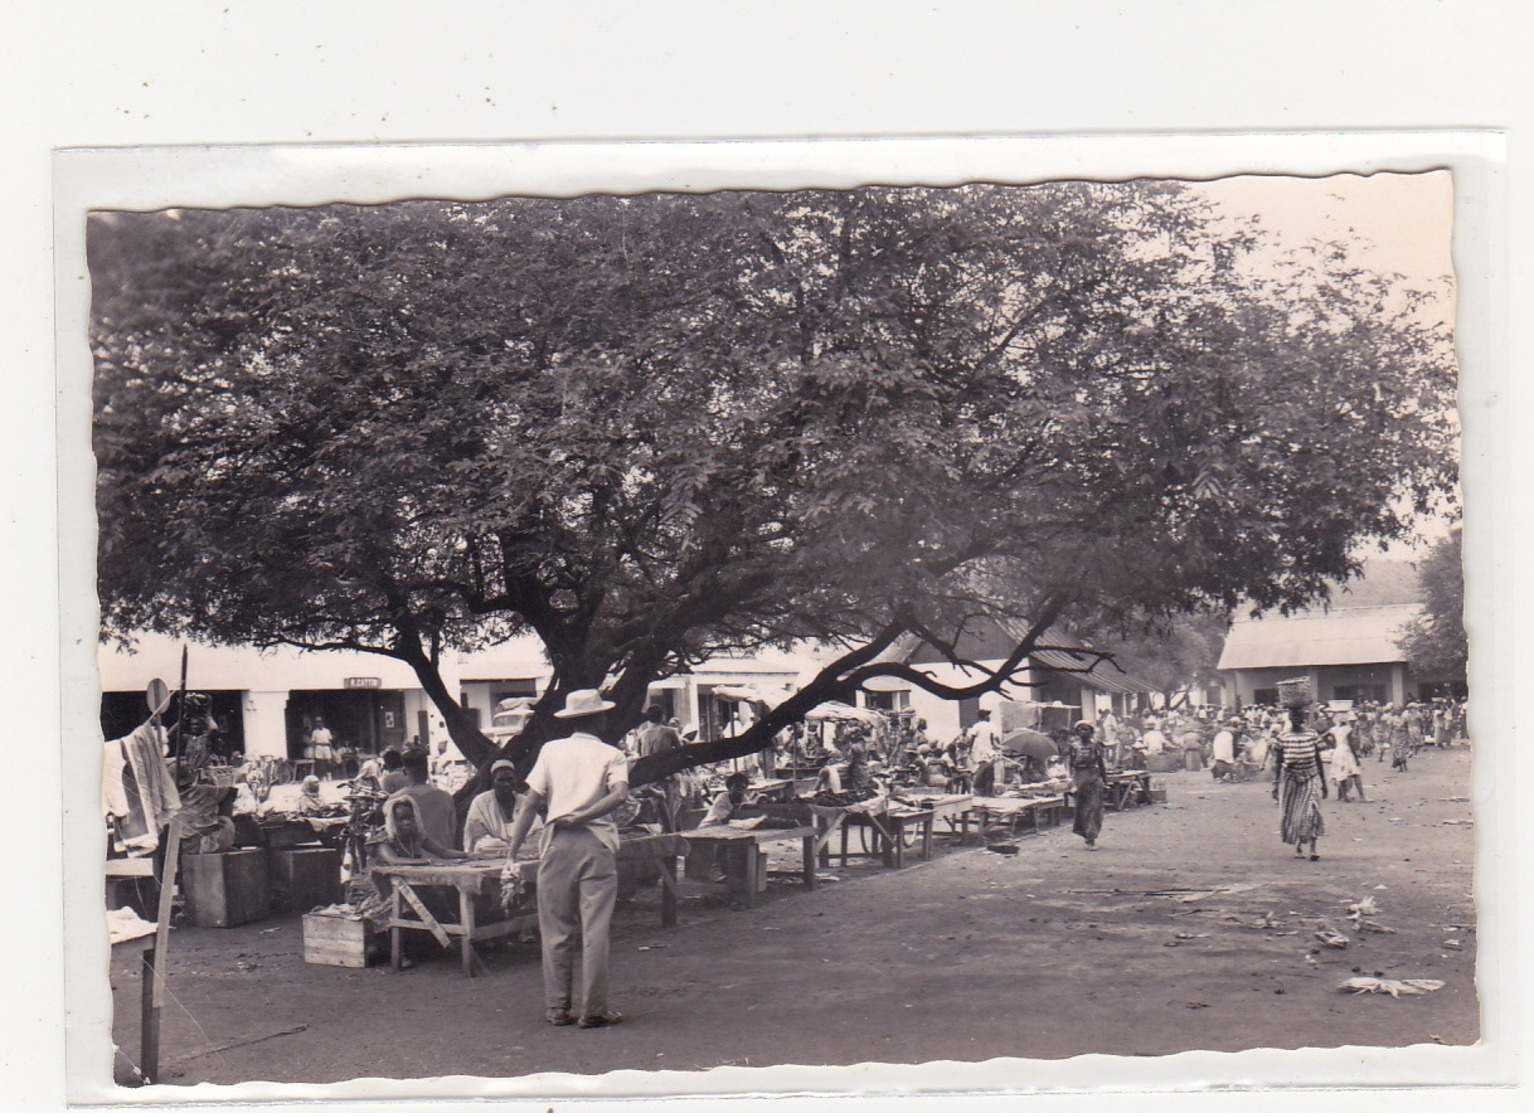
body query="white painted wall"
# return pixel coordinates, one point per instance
(265, 714)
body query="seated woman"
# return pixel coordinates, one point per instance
(401, 841)
(487, 827)
(309, 801)
(936, 768)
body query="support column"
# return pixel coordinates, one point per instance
(266, 728)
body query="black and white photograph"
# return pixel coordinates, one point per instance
(737, 628)
(572, 593)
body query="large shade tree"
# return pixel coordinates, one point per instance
(1436, 643)
(651, 429)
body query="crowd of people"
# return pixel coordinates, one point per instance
(568, 811)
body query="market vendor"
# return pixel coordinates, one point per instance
(309, 802)
(985, 756)
(734, 796)
(936, 769)
(402, 841)
(207, 818)
(487, 826)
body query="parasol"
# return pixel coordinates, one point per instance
(1029, 742)
(838, 711)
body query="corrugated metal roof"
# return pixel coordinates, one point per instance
(1105, 675)
(1318, 639)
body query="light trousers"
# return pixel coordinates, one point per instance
(577, 887)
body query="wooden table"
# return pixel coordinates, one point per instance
(888, 827)
(772, 791)
(1034, 814)
(663, 849)
(742, 847)
(951, 808)
(1128, 788)
(469, 879)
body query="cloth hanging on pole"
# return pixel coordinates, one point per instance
(147, 789)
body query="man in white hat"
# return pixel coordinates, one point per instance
(579, 779)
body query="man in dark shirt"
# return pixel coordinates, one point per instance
(656, 737)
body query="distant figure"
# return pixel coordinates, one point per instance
(984, 754)
(323, 741)
(1342, 765)
(1090, 777)
(392, 776)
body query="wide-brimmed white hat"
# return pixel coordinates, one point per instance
(584, 703)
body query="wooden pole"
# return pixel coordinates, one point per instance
(157, 957)
(149, 1023)
(180, 717)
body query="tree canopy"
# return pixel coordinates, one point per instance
(649, 429)
(1436, 642)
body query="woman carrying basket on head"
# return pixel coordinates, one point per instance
(1299, 784)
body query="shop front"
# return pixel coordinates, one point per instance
(363, 718)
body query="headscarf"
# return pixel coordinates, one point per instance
(390, 833)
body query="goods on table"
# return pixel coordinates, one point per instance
(838, 798)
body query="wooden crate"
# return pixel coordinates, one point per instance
(225, 889)
(331, 940)
(304, 878)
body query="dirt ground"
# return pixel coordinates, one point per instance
(1051, 953)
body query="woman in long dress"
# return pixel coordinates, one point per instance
(1342, 763)
(1299, 786)
(1090, 776)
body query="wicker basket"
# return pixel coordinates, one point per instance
(1296, 692)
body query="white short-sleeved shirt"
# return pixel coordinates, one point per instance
(571, 774)
(1225, 746)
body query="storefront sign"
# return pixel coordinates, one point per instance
(363, 683)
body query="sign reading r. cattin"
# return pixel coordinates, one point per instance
(363, 682)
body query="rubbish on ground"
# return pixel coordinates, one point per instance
(1332, 938)
(1377, 928)
(826, 878)
(1396, 987)
(1362, 907)
(1190, 935)
(1457, 822)
(124, 925)
(1002, 847)
(1455, 799)
(1453, 944)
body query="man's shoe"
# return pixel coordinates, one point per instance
(601, 1020)
(559, 1017)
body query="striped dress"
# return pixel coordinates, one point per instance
(1299, 773)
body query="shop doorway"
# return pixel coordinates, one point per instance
(361, 722)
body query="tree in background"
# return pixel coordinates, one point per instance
(1435, 643)
(1173, 655)
(652, 429)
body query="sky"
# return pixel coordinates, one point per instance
(1400, 222)
(1396, 223)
